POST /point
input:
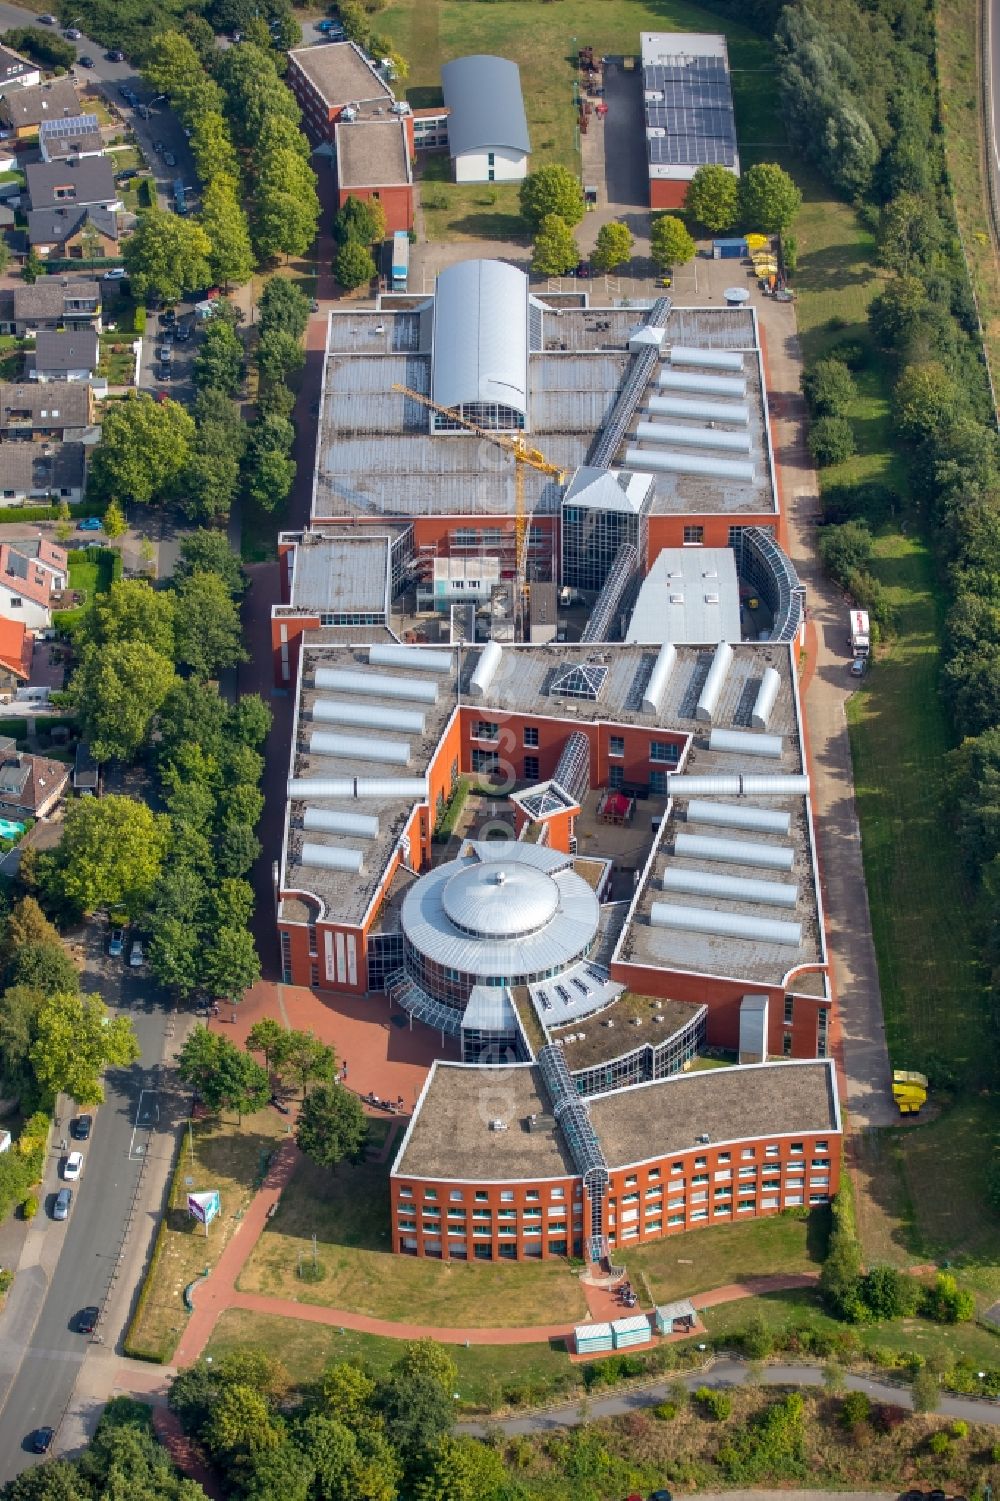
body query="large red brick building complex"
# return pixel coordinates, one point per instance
(625, 873)
(347, 103)
(507, 1163)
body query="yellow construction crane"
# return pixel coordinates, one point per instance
(523, 454)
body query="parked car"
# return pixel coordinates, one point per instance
(118, 273)
(859, 667)
(135, 957)
(73, 1167)
(126, 176)
(169, 160)
(164, 373)
(73, 33)
(582, 270)
(117, 945)
(41, 1439)
(86, 1319)
(81, 1128)
(117, 56)
(158, 147)
(85, 61)
(47, 20)
(165, 353)
(168, 315)
(89, 524)
(64, 1198)
(124, 92)
(183, 333)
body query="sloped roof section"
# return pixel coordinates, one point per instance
(483, 96)
(481, 335)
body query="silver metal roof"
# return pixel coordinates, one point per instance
(486, 109)
(481, 335)
(689, 594)
(554, 913)
(334, 573)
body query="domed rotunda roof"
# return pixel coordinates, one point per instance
(502, 900)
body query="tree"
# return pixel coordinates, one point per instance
(76, 1040)
(33, 266)
(231, 964)
(551, 190)
(947, 1303)
(209, 552)
(118, 690)
(268, 1037)
(219, 361)
(279, 355)
(908, 235)
(115, 525)
(132, 610)
(845, 549)
(240, 1422)
(111, 853)
(924, 401)
(43, 47)
(829, 388)
(286, 205)
(841, 1270)
(305, 1057)
(19, 1006)
(461, 1469)
(331, 1126)
(831, 440)
(210, 481)
(241, 1084)
(283, 307)
(166, 256)
(271, 479)
(348, 1394)
(361, 219)
(555, 250)
(713, 197)
(26, 924)
(353, 265)
(209, 637)
(925, 1391)
(212, 148)
(144, 448)
(175, 953)
(417, 1399)
(231, 257)
(44, 968)
(896, 314)
(614, 246)
(669, 242)
(769, 199)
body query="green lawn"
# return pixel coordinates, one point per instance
(543, 41)
(349, 1213)
(683, 1264)
(486, 1373)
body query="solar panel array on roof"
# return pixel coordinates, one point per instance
(689, 113)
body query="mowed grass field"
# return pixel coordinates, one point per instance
(543, 40)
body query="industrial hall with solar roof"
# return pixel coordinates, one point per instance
(552, 798)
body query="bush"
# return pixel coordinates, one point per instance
(29, 1207)
(665, 1411)
(831, 440)
(959, 1429)
(887, 1417)
(939, 1444)
(946, 1303)
(6, 1280)
(139, 320)
(757, 1340)
(828, 387)
(855, 1409)
(714, 1404)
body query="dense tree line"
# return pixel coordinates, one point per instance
(859, 96)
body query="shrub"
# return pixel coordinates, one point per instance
(887, 1417)
(757, 1340)
(959, 1429)
(29, 1207)
(926, 1392)
(829, 388)
(855, 1409)
(939, 1444)
(6, 1280)
(716, 1405)
(665, 1411)
(995, 1454)
(946, 1303)
(850, 352)
(831, 440)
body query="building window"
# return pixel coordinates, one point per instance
(314, 976)
(616, 778)
(786, 1045)
(485, 729)
(456, 1197)
(772, 1151)
(694, 536)
(16, 601)
(430, 1193)
(789, 1009)
(616, 745)
(491, 159)
(700, 1162)
(531, 768)
(658, 783)
(822, 1023)
(484, 761)
(507, 1196)
(531, 735)
(821, 1146)
(663, 750)
(725, 1157)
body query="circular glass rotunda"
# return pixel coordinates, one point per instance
(502, 914)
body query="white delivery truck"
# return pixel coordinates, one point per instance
(859, 633)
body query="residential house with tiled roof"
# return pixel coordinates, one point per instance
(42, 471)
(17, 645)
(30, 786)
(33, 573)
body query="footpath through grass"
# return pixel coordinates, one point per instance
(227, 1157)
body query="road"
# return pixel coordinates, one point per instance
(726, 1371)
(72, 1265)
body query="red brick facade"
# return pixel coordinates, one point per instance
(704, 1185)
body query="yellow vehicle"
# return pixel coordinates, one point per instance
(909, 1090)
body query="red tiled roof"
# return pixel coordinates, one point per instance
(16, 647)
